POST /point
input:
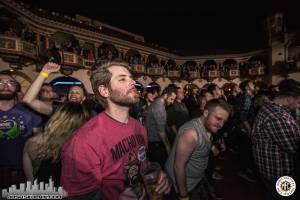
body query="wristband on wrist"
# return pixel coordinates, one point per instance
(44, 74)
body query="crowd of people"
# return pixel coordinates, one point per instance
(99, 149)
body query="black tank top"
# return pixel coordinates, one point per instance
(47, 169)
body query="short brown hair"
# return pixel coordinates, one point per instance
(212, 104)
(102, 76)
(244, 84)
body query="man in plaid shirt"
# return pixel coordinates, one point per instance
(275, 136)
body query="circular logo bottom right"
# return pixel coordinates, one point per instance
(285, 186)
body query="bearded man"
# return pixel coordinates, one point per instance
(17, 124)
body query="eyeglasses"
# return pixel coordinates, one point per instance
(10, 83)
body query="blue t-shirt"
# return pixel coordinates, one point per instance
(15, 128)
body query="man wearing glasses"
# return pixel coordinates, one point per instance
(17, 124)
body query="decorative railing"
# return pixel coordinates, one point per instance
(88, 63)
(213, 73)
(253, 72)
(138, 68)
(17, 45)
(257, 71)
(72, 59)
(174, 73)
(233, 73)
(155, 71)
(194, 74)
(261, 70)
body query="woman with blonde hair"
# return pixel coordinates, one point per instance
(41, 155)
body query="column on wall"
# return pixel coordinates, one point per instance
(144, 59)
(96, 50)
(47, 42)
(38, 38)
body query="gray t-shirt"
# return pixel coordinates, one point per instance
(156, 120)
(198, 160)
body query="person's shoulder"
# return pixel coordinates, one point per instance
(136, 122)
(156, 102)
(31, 144)
(189, 134)
(176, 104)
(89, 133)
(190, 130)
(188, 125)
(91, 127)
(273, 112)
(31, 141)
(22, 108)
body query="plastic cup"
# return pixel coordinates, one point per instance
(150, 178)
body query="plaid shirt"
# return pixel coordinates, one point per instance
(275, 136)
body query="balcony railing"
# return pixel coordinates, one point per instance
(138, 68)
(253, 72)
(174, 73)
(72, 59)
(233, 73)
(18, 46)
(88, 63)
(213, 73)
(194, 74)
(155, 71)
(260, 70)
(257, 71)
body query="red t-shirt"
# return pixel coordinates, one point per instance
(104, 154)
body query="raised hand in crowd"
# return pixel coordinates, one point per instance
(42, 105)
(51, 67)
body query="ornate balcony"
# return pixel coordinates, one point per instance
(253, 72)
(138, 68)
(155, 71)
(213, 73)
(261, 70)
(173, 73)
(72, 59)
(16, 50)
(233, 73)
(88, 63)
(194, 74)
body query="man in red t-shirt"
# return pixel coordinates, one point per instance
(103, 160)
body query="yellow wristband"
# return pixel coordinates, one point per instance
(44, 74)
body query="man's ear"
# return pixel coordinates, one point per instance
(103, 91)
(165, 96)
(205, 113)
